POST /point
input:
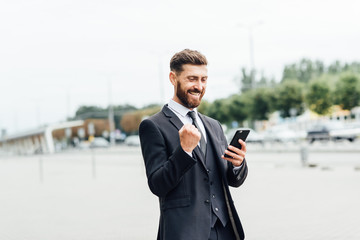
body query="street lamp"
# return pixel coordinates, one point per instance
(250, 28)
(111, 115)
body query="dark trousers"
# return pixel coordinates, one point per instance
(219, 232)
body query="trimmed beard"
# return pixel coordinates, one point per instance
(181, 94)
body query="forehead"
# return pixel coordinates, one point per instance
(194, 70)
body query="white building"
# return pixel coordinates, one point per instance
(38, 140)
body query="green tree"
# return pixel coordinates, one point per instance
(319, 96)
(85, 112)
(290, 97)
(303, 71)
(319, 67)
(239, 107)
(263, 100)
(347, 91)
(219, 110)
(354, 67)
(335, 67)
(204, 107)
(290, 72)
(247, 80)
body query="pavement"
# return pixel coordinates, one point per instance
(103, 194)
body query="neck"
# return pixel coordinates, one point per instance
(176, 99)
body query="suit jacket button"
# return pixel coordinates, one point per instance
(216, 209)
(207, 201)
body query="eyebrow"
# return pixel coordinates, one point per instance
(195, 76)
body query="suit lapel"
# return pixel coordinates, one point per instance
(172, 117)
(178, 124)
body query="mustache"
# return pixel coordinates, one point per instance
(196, 91)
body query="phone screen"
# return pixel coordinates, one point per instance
(240, 134)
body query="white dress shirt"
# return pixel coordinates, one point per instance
(181, 112)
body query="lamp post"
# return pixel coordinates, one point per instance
(111, 116)
(250, 28)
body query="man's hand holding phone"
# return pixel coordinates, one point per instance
(236, 155)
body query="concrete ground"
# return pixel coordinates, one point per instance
(103, 194)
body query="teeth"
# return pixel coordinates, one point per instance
(196, 94)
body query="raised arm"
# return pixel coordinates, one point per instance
(164, 169)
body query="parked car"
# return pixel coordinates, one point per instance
(332, 130)
(281, 134)
(253, 137)
(99, 142)
(133, 140)
(84, 145)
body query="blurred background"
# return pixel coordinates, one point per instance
(78, 77)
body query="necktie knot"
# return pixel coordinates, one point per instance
(192, 115)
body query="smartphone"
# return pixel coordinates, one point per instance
(240, 134)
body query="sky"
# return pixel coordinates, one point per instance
(58, 55)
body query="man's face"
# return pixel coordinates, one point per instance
(189, 85)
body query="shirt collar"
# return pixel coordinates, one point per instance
(180, 109)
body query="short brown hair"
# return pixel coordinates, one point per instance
(186, 56)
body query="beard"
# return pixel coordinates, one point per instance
(184, 97)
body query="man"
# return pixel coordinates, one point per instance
(184, 158)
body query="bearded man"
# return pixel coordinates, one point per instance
(183, 152)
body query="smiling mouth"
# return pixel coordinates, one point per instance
(195, 93)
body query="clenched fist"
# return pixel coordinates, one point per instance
(189, 137)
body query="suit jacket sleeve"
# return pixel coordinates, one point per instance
(164, 170)
(238, 179)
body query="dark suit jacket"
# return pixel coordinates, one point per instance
(180, 181)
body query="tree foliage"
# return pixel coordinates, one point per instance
(303, 71)
(290, 98)
(85, 112)
(306, 81)
(239, 106)
(263, 103)
(319, 97)
(253, 79)
(247, 80)
(204, 107)
(348, 91)
(219, 110)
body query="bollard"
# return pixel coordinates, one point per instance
(93, 163)
(304, 155)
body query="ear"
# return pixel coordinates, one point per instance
(172, 77)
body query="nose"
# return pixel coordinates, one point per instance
(199, 85)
